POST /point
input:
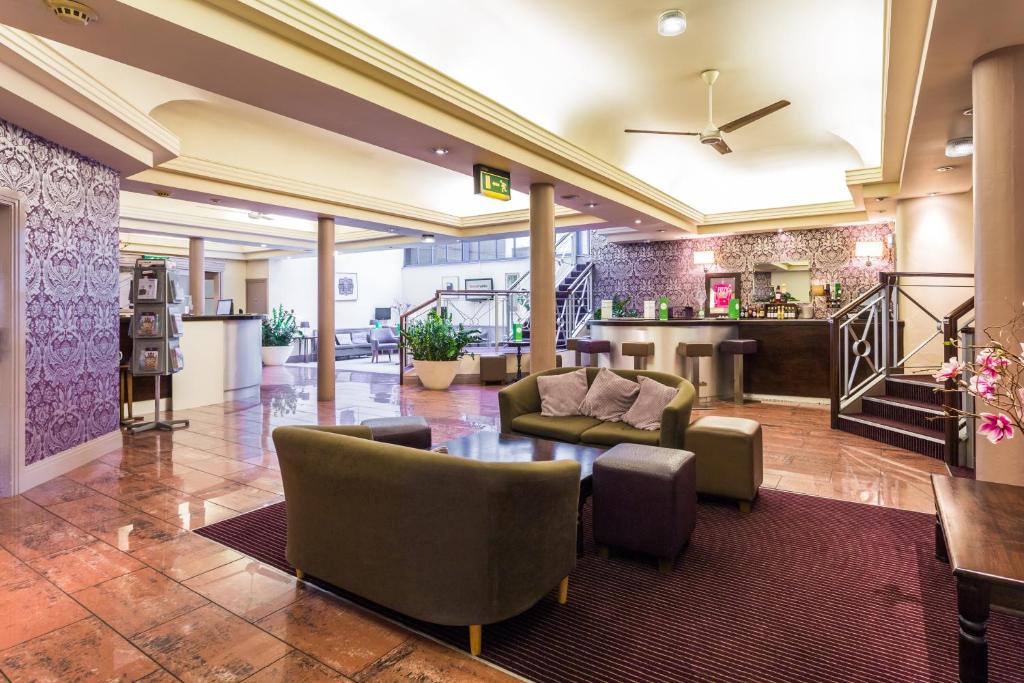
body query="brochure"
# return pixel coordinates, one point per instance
(177, 325)
(149, 359)
(175, 291)
(149, 324)
(177, 358)
(148, 288)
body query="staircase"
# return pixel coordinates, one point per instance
(907, 415)
(564, 294)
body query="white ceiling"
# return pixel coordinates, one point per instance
(586, 69)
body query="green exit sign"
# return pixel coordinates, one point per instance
(492, 182)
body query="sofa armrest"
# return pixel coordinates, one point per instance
(676, 417)
(358, 431)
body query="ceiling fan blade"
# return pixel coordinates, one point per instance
(750, 118)
(658, 132)
(722, 147)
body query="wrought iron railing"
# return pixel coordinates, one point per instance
(867, 342)
(579, 302)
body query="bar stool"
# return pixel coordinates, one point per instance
(640, 351)
(737, 348)
(591, 347)
(694, 352)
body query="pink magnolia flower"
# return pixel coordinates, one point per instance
(991, 363)
(983, 386)
(949, 370)
(995, 427)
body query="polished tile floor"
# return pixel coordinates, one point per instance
(101, 579)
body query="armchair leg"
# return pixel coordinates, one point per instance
(744, 506)
(476, 639)
(300, 575)
(563, 591)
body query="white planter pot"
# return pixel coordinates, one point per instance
(276, 355)
(436, 374)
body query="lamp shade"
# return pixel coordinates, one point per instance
(869, 249)
(703, 258)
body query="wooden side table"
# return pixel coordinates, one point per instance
(978, 530)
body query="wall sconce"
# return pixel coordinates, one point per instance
(868, 250)
(704, 258)
(817, 290)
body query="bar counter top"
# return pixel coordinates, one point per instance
(708, 321)
(233, 316)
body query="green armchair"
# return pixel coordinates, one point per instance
(437, 537)
(520, 414)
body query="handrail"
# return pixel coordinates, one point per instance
(525, 275)
(888, 275)
(951, 423)
(857, 302)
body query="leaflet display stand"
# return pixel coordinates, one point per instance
(155, 330)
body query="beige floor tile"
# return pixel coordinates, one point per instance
(43, 538)
(296, 667)
(59, 490)
(248, 588)
(139, 601)
(186, 556)
(424, 661)
(133, 532)
(90, 509)
(39, 605)
(84, 566)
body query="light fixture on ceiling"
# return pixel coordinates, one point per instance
(263, 246)
(427, 238)
(868, 251)
(968, 112)
(441, 151)
(880, 199)
(671, 22)
(590, 205)
(569, 197)
(71, 12)
(944, 169)
(960, 147)
(932, 194)
(662, 230)
(257, 215)
(161, 193)
(637, 221)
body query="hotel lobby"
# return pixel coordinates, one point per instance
(355, 342)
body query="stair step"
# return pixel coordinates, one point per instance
(915, 387)
(905, 410)
(911, 437)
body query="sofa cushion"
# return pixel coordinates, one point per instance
(650, 403)
(610, 396)
(343, 339)
(614, 433)
(360, 338)
(566, 429)
(561, 395)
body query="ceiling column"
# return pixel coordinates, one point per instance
(197, 274)
(542, 277)
(998, 100)
(325, 309)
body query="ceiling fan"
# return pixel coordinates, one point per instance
(711, 134)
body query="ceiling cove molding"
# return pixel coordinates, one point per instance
(429, 85)
(823, 209)
(864, 176)
(100, 100)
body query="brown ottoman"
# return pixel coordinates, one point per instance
(492, 368)
(729, 457)
(409, 431)
(645, 500)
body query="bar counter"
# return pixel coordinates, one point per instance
(222, 360)
(791, 360)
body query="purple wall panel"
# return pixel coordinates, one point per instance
(71, 247)
(647, 271)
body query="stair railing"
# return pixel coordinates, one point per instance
(866, 344)
(575, 315)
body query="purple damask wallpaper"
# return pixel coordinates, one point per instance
(71, 246)
(647, 271)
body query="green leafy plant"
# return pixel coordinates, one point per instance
(621, 308)
(437, 338)
(280, 328)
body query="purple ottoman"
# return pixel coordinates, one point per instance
(645, 500)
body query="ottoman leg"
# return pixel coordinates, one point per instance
(563, 591)
(665, 564)
(476, 639)
(744, 506)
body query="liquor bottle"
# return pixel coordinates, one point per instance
(839, 291)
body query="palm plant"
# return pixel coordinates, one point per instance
(437, 338)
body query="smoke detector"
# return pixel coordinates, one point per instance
(72, 12)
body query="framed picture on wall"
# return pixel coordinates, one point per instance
(720, 289)
(346, 287)
(511, 279)
(478, 284)
(449, 283)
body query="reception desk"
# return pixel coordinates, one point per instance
(792, 355)
(222, 360)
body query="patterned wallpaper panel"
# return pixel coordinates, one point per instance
(71, 285)
(647, 271)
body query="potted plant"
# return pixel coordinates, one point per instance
(279, 331)
(437, 345)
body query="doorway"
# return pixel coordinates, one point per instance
(12, 342)
(256, 296)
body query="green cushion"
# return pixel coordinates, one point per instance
(566, 429)
(614, 433)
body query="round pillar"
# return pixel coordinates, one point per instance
(325, 309)
(542, 277)
(197, 274)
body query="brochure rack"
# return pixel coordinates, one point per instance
(155, 330)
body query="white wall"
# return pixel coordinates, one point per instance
(933, 235)
(232, 282)
(420, 282)
(292, 282)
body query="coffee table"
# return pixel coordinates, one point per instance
(494, 447)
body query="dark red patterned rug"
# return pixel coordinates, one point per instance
(802, 589)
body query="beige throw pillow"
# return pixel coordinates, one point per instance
(561, 395)
(610, 396)
(649, 405)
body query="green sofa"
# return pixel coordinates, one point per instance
(520, 414)
(437, 537)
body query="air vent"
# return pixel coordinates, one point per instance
(71, 12)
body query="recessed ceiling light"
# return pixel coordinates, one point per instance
(932, 194)
(161, 193)
(427, 238)
(441, 151)
(569, 197)
(671, 22)
(960, 147)
(215, 200)
(662, 230)
(944, 169)
(968, 112)
(590, 205)
(880, 199)
(637, 222)
(72, 12)
(263, 246)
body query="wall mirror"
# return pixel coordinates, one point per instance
(793, 277)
